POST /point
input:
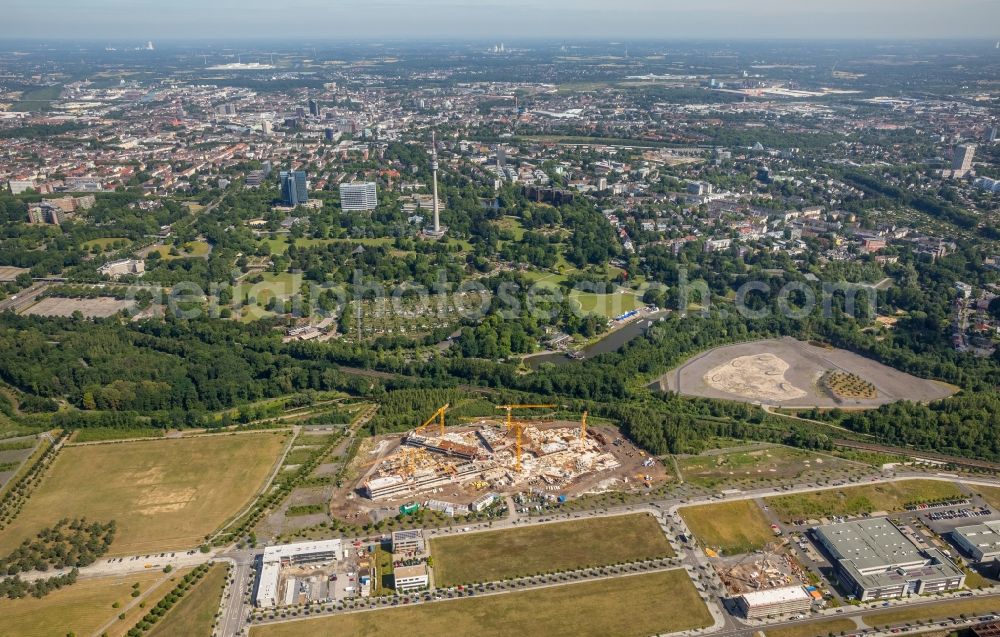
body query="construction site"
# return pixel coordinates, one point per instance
(463, 469)
(773, 567)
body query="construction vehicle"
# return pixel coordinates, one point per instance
(517, 427)
(439, 416)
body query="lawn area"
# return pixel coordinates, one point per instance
(562, 546)
(820, 628)
(747, 466)
(299, 455)
(928, 612)
(890, 496)
(81, 608)
(188, 250)
(283, 286)
(105, 242)
(729, 527)
(668, 602)
(548, 279)
(165, 494)
(279, 245)
(607, 305)
(194, 615)
(513, 225)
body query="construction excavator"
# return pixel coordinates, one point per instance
(517, 426)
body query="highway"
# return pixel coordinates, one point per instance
(24, 298)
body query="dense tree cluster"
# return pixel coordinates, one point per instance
(16, 588)
(74, 543)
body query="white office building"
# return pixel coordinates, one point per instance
(358, 197)
(775, 601)
(408, 578)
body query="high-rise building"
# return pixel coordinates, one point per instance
(358, 197)
(992, 135)
(961, 162)
(314, 108)
(265, 126)
(294, 190)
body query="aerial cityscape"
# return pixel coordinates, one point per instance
(500, 319)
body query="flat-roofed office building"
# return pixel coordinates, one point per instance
(875, 560)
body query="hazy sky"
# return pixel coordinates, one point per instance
(468, 19)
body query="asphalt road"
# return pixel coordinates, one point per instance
(236, 605)
(691, 557)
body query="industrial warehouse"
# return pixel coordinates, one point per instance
(477, 463)
(980, 541)
(875, 561)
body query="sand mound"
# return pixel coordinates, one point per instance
(759, 377)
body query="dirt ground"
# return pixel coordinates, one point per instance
(100, 307)
(787, 373)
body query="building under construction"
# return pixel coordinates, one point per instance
(499, 456)
(773, 568)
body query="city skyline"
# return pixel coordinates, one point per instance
(449, 19)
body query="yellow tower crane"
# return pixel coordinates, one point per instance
(439, 416)
(517, 426)
(583, 427)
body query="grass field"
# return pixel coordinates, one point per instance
(25, 467)
(99, 434)
(81, 608)
(990, 494)
(729, 527)
(496, 555)
(188, 250)
(38, 99)
(928, 612)
(891, 496)
(549, 279)
(104, 242)
(279, 245)
(194, 615)
(743, 466)
(150, 599)
(820, 628)
(165, 494)
(512, 224)
(668, 601)
(606, 305)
